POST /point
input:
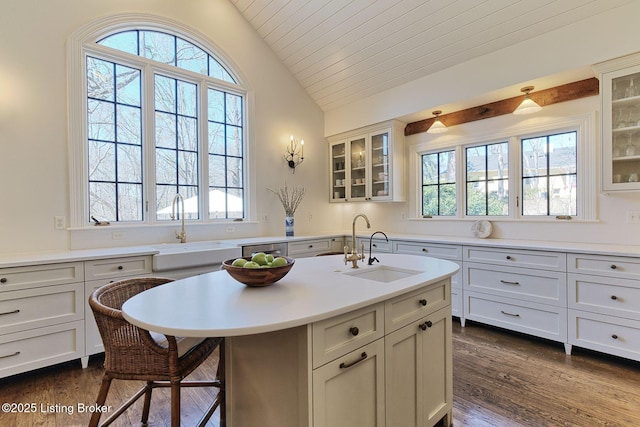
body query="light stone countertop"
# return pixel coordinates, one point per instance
(89, 254)
(215, 304)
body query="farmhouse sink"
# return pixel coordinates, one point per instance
(172, 256)
(383, 273)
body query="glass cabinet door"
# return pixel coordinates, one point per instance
(338, 174)
(621, 130)
(358, 167)
(380, 165)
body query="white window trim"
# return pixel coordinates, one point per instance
(79, 45)
(584, 124)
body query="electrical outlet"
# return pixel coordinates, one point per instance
(118, 235)
(633, 217)
(59, 222)
(230, 229)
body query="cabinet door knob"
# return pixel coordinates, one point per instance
(3, 280)
(613, 297)
(423, 302)
(425, 250)
(426, 325)
(508, 256)
(354, 331)
(120, 267)
(310, 246)
(613, 266)
(614, 336)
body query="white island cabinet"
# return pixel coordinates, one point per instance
(323, 346)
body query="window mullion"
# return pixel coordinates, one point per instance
(148, 137)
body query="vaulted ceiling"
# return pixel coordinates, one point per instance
(345, 50)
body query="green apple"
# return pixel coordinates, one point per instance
(269, 258)
(239, 262)
(279, 262)
(251, 264)
(260, 258)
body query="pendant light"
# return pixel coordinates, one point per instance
(528, 105)
(437, 126)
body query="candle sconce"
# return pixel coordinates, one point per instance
(295, 154)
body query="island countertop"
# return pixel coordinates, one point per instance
(215, 304)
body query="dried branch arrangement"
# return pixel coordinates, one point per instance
(290, 202)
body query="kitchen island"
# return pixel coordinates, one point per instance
(324, 346)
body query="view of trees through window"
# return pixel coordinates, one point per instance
(120, 141)
(439, 184)
(549, 174)
(488, 179)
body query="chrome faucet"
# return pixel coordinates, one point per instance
(372, 258)
(182, 236)
(354, 256)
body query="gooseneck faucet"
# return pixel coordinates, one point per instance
(372, 258)
(354, 256)
(182, 236)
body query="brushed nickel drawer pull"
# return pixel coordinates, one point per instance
(10, 312)
(506, 282)
(509, 314)
(10, 355)
(348, 365)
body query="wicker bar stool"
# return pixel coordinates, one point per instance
(132, 353)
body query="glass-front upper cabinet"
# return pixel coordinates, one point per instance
(620, 94)
(368, 165)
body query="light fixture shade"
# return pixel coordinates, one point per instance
(528, 105)
(437, 126)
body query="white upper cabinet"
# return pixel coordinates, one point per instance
(368, 164)
(620, 94)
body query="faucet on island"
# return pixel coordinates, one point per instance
(182, 236)
(354, 256)
(372, 258)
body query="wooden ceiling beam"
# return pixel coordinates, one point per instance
(554, 95)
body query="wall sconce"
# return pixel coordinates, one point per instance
(295, 154)
(437, 126)
(528, 105)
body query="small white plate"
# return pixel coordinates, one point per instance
(481, 229)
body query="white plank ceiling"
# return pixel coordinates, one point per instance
(345, 50)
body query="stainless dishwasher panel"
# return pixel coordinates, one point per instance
(272, 248)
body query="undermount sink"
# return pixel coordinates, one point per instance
(383, 273)
(173, 256)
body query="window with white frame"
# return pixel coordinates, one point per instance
(163, 116)
(555, 178)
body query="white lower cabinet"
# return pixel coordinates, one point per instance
(419, 392)
(41, 316)
(309, 248)
(388, 364)
(350, 391)
(604, 304)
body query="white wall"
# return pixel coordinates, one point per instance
(33, 123)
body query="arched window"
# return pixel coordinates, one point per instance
(164, 115)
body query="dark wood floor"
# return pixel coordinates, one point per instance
(500, 379)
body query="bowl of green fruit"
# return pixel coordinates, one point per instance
(258, 270)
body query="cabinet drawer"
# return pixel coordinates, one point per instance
(37, 348)
(15, 278)
(117, 267)
(309, 247)
(35, 308)
(540, 320)
(608, 334)
(610, 266)
(436, 250)
(377, 245)
(402, 310)
(604, 295)
(339, 335)
(546, 287)
(517, 258)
